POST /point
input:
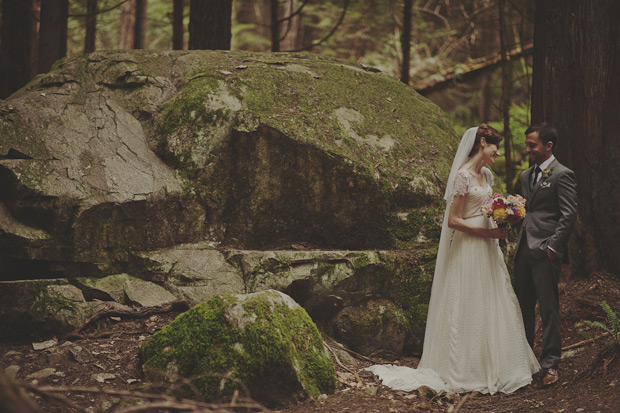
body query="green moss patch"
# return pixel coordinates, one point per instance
(263, 340)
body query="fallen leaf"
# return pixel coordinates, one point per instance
(44, 345)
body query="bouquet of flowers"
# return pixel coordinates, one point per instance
(505, 210)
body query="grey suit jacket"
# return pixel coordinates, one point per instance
(551, 210)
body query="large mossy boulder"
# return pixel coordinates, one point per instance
(264, 340)
(121, 151)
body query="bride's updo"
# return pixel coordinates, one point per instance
(490, 135)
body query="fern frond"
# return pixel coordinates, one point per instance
(594, 324)
(612, 317)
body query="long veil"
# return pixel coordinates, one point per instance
(439, 279)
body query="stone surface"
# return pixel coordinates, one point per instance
(125, 151)
(12, 370)
(126, 289)
(193, 272)
(265, 340)
(44, 345)
(193, 178)
(43, 373)
(40, 309)
(80, 354)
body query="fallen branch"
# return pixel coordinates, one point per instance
(358, 355)
(160, 400)
(58, 397)
(463, 400)
(109, 311)
(357, 377)
(584, 342)
(470, 70)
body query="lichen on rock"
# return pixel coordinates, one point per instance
(264, 340)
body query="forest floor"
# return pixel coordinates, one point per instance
(101, 372)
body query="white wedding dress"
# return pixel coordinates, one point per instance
(477, 340)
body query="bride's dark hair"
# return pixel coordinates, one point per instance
(489, 134)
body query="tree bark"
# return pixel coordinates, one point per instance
(275, 26)
(576, 86)
(17, 46)
(210, 24)
(291, 29)
(506, 97)
(128, 24)
(91, 26)
(139, 38)
(485, 40)
(406, 42)
(178, 8)
(52, 33)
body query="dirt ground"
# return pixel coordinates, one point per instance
(103, 373)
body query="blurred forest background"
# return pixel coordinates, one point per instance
(506, 62)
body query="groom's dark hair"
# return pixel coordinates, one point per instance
(546, 133)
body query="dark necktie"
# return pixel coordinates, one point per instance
(537, 173)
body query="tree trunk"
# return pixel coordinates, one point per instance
(253, 14)
(128, 24)
(52, 33)
(210, 24)
(486, 40)
(506, 97)
(291, 31)
(576, 86)
(91, 26)
(406, 42)
(178, 8)
(139, 37)
(275, 26)
(17, 46)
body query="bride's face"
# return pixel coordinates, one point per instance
(489, 153)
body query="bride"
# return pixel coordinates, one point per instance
(475, 339)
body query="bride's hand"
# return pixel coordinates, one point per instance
(501, 233)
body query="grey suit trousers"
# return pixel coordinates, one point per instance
(536, 279)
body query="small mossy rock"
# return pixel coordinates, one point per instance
(264, 340)
(42, 308)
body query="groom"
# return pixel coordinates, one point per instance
(551, 193)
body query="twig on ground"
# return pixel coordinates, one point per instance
(357, 377)
(584, 342)
(358, 355)
(51, 395)
(114, 312)
(160, 400)
(463, 400)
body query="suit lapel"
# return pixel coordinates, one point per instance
(526, 187)
(541, 180)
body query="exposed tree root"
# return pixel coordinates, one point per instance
(114, 312)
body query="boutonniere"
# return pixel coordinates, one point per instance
(546, 173)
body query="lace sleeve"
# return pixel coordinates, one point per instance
(461, 183)
(488, 175)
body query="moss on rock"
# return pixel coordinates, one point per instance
(263, 340)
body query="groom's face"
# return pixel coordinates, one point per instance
(537, 152)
